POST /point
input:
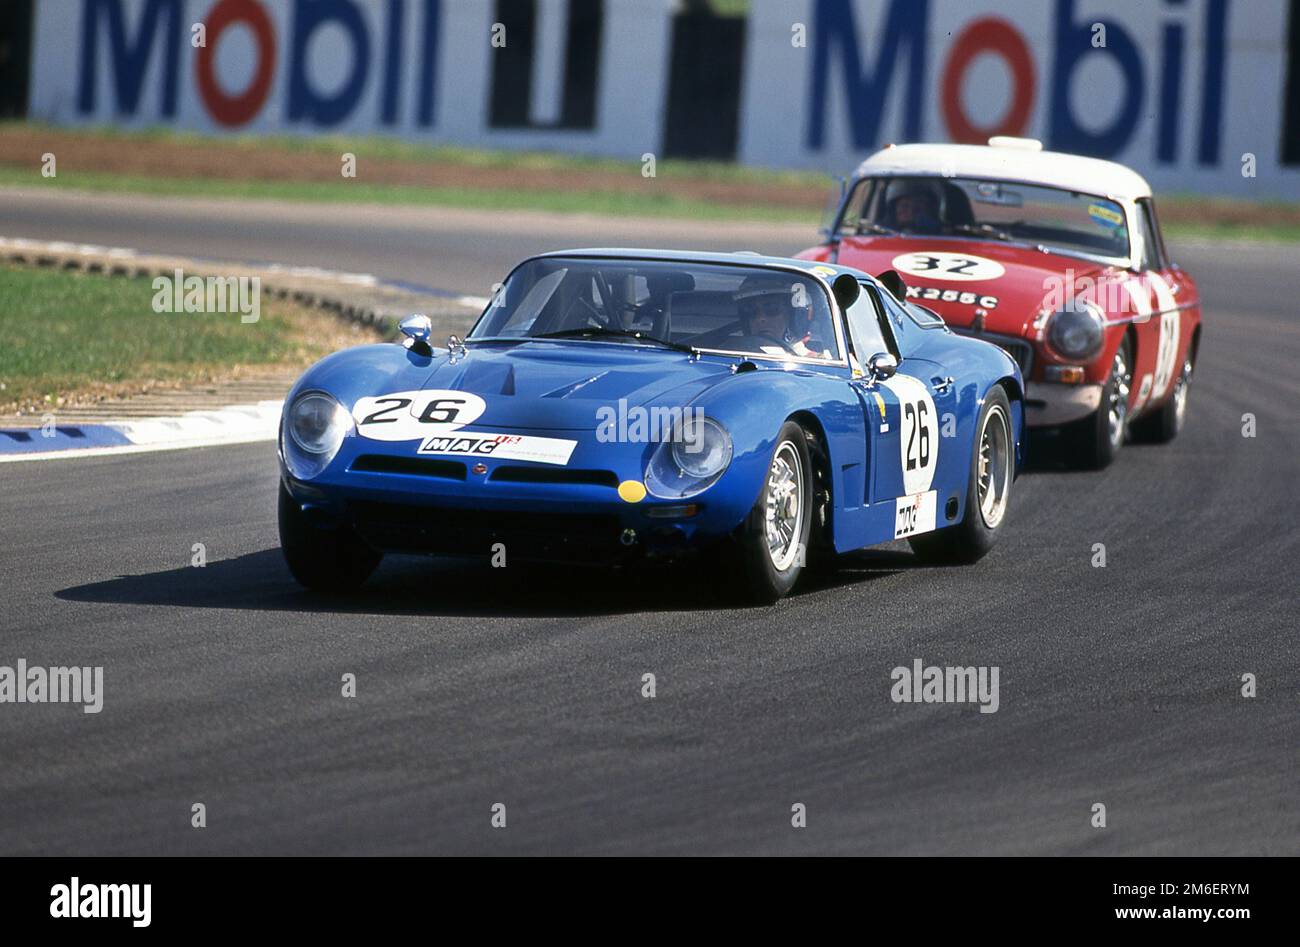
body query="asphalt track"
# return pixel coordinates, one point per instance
(1119, 685)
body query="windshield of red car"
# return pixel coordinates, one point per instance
(1061, 220)
(760, 311)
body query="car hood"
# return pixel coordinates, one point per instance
(1019, 278)
(562, 385)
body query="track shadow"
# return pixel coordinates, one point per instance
(409, 585)
(1045, 453)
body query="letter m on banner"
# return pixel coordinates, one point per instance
(129, 59)
(835, 35)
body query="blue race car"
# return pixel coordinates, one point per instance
(621, 404)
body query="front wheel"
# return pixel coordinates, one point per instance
(323, 560)
(774, 537)
(988, 493)
(1092, 443)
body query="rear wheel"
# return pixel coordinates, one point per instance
(323, 560)
(1163, 424)
(1092, 443)
(988, 493)
(774, 537)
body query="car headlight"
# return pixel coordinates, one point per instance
(691, 462)
(1076, 332)
(316, 424)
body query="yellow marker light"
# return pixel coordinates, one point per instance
(1066, 374)
(631, 491)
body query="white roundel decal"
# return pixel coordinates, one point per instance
(918, 433)
(406, 415)
(1167, 348)
(1166, 353)
(936, 264)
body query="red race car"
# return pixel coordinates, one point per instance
(1057, 258)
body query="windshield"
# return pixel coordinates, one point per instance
(1056, 219)
(735, 309)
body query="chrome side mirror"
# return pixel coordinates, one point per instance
(418, 328)
(881, 366)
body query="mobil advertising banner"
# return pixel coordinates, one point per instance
(567, 75)
(1189, 92)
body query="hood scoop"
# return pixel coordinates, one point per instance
(485, 378)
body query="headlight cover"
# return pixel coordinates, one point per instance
(1076, 332)
(315, 424)
(688, 465)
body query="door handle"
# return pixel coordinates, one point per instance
(941, 385)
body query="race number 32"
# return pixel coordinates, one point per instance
(941, 265)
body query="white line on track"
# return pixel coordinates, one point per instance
(135, 448)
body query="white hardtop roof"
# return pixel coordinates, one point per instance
(1010, 159)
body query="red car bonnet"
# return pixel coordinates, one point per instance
(1020, 279)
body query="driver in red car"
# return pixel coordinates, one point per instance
(771, 308)
(915, 209)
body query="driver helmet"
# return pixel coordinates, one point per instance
(766, 303)
(915, 206)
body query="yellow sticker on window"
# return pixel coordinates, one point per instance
(1105, 214)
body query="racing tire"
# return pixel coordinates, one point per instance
(822, 558)
(773, 538)
(322, 560)
(1163, 424)
(988, 494)
(1093, 442)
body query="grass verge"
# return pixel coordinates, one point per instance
(613, 204)
(395, 172)
(71, 338)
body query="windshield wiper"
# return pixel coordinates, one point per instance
(983, 230)
(603, 333)
(1081, 254)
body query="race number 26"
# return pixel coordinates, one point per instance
(918, 434)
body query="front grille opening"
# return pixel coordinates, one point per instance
(411, 466)
(1022, 352)
(599, 478)
(529, 535)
